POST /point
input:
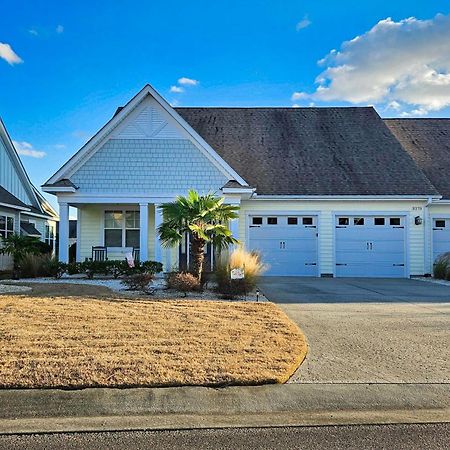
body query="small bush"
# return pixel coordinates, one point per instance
(183, 282)
(252, 265)
(52, 267)
(31, 266)
(441, 268)
(152, 267)
(138, 282)
(73, 268)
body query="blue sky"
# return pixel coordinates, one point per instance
(66, 66)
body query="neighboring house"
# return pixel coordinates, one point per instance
(23, 209)
(322, 191)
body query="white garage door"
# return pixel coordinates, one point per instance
(288, 244)
(370, 246)
(441, 237)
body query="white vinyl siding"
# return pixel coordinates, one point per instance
(326, 211)
(91, 228)
(9, 177)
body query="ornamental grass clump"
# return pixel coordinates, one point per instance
(249, 262)
(441, 268)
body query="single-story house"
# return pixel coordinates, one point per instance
(23, 209)
(322, 191)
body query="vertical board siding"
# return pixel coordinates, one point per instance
(415, 234)
(9, 178)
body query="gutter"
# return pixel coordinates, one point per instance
(346, 197)
(20, 208)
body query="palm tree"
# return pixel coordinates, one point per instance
(18, 247)
(204, 217)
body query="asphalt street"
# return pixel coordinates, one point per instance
(392, 437)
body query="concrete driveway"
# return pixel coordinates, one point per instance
(368, 330)
(347, 290)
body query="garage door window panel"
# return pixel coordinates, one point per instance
(292, 221)
(272, 220)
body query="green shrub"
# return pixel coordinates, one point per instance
(116, 268)
(73, 268)
(43, 248)
(441, 268)
(52, 267)
(152, 267)
(253, 268)
(138, 282)
(183, 282)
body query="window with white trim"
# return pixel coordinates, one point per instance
(49, 236)
(6, 226)
(121, 228)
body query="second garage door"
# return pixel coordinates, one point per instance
(287, 244)
(441, 237)
(370, 246)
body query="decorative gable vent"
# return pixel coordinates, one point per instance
(147, 123)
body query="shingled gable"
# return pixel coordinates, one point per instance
(428, 142)
(311, 151)
(121, 114)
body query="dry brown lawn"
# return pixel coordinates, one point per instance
(78, 342)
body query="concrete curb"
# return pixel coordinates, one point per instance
(34, 411)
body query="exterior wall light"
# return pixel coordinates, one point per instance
(418, 220)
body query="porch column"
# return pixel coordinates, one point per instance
(63, 232)
(143, 231)
(158, 222)
(234, 223)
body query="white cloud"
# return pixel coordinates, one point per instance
(299, 96)
(26, 149)
(33, 32)
(187, 81)
(176, 89)
(8, 54)
(59, 29)
(404, 65)
(304, 23)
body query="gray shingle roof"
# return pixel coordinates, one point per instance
(310, 151)
(428, 143)
(8, 198)
(29, 229)
(65, 182)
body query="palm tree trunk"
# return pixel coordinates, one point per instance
(198, 256)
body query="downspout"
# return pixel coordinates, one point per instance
(427, 255)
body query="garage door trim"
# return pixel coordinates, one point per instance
(357, 213)
(289, 212)
(433, 217)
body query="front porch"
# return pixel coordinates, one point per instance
(124, 228)
(119, 227)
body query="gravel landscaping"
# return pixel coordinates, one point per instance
(116, 286)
